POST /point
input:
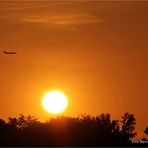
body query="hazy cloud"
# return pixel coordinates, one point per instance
(63, 20)
(52, 15)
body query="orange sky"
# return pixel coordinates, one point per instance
(96, 52)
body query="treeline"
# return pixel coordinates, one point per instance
(84, 130)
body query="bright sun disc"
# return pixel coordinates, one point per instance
(54, 102)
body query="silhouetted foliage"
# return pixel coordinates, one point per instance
(84, 130)
(128, 123)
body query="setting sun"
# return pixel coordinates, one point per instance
(55, 102)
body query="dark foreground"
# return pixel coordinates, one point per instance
(84, 130)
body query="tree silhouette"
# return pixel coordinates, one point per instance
(2, 124)
(12, 122)
(24, 122)
(84, 130)
(128, 123)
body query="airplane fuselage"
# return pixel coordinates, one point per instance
(5, 52)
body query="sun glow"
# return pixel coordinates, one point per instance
(55, 102)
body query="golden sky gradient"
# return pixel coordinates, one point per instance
(96, 52)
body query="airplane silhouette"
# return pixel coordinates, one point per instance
(5, 52)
